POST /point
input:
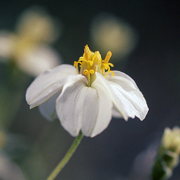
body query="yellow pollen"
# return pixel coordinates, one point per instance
(91, 71)
(92, 62)
(85, 72)
(108, 56)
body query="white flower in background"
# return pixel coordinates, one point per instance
(6, 45)
(171, 139)
(143, 163)
(167, 157)
(38, 26)
(108, 32)
(9, 170)
(85, 96)
(28, 47)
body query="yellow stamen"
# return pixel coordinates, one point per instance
(92, 62)
(91, 71)
(108, 56)
(85, 72)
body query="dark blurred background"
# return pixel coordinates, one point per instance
(154, 64)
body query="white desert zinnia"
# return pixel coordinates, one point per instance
(28, 47)
(171, 139)
(85, 96)
(167, 157)
(109, 32)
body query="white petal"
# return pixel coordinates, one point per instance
(125, 95)
(129, 99)
(120, 76)
(104, 108)
(47, 84)
(37, 60)
(67, 107)
(6, 44)
(116, 113)
(106, 85)
(48, 108)
(84, 108)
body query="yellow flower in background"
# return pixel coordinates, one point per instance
(109, 32)
(28, 46)
(86, 96)
(171, 139)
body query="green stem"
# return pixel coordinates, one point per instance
(66, 158)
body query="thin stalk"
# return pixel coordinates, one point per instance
(66, 158)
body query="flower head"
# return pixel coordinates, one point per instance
(109, 32)
(171, 139)
(86, 96)
(91, 62)
(37, 25)
(167, 157)
(28, 46)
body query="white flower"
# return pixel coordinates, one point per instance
(38, 60)
(171, 139)
(9, 169)
(36, 24)
(28, 47)
(109, 32)
(6, 44)
(86, 95)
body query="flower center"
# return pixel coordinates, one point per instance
(92, 62)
